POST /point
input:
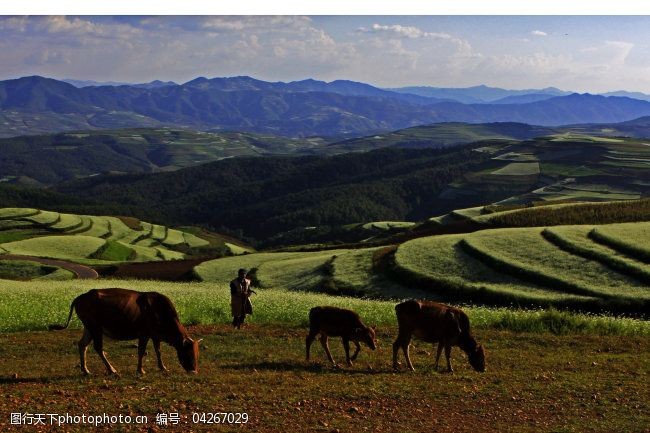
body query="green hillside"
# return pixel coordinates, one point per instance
(49, 159)
(98, 239)
(284, 201)
(444, 135)
(560, 266)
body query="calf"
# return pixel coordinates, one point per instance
(338, 322)
(436, 323)
(123, 314)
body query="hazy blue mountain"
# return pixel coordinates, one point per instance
(523, 99)
(475, 94)
(32, 105)
(342, 87)
(87, 83)
(90, 83)
(634, 95)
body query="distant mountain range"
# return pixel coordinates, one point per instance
(33, 105)
(477, 94)
(90, 83)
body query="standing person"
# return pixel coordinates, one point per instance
(240, 304)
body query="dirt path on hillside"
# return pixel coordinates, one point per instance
(81, 271)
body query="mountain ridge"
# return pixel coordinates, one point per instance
(296, 109)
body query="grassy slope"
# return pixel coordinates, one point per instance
(119, 242)
(332, 271)
(442, 260)
(61, 247)
(26, 306)
(527, 249)
(60, 157)
(632, 239)
(23, 270)
(577, 240)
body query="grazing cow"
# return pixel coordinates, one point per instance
(338, 322)
(436, 323)
(123, 314)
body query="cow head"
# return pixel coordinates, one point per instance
(188, 355)
(477, 358)
(366, 335)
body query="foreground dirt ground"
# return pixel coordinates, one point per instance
(534, 383)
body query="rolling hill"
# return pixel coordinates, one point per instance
(264, 197)
(561, 265)
(91, 239)
(50, 159)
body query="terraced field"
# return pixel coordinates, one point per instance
(453, 272)
(288, 270)
(339, 271)
(91, 239)
(56, 247)
(387, 225)
(632, 239)
(562, 266)
(579, 240)
(546, 266)
(563, 167)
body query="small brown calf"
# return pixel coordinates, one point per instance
(339, 322)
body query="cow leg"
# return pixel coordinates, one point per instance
(405, 349)
(403, 341)
(98, 345)
(83, 345)
(156, 346)
(309, 340)
(395, 350)
(323, 342)
(356, 350)
(346, 347)
(142, 351)
(448, 356)
(440, 345)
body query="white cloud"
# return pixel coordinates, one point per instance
(609, 52)
(403, 31)
(179, 48)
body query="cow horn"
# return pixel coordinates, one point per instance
(188, 340)
(199, 340)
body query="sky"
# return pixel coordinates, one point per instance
(578, 53)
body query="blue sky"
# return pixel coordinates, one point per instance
(585, 54)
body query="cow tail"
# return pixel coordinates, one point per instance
(55, 327)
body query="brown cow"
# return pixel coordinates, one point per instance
(339, 322)
(123, 314)
(436, 323)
